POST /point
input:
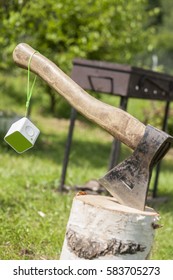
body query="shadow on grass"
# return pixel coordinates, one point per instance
(163, 203)
(8, 205)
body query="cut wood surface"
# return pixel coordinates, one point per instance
(101, 228)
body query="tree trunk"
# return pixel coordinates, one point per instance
(101, 228)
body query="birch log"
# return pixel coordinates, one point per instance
(99, 228)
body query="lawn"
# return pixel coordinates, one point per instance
(33, 214)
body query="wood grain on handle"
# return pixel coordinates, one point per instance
(117, 122)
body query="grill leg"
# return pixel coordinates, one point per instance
(164, 128)
(67, 149)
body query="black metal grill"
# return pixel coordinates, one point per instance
(122, 80)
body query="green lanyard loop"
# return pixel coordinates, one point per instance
(29, 91)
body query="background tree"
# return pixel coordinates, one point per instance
(111, 30)
(163, 39)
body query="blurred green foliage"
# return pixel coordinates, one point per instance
(127, 32)
(163, 39)
(114, 30)
(110, 30)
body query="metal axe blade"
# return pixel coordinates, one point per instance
(129, 180)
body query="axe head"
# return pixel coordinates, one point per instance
(129, 180)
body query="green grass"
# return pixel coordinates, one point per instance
(29, 184)
(33, 214)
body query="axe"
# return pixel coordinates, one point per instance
(129, 180)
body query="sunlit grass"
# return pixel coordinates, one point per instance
(33, 214)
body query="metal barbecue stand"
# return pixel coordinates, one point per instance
(123, 81)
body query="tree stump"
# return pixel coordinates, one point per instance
(100, 228)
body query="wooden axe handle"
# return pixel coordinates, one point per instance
(117, 122)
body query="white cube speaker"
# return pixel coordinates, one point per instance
(22, 135)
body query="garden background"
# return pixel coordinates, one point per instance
(33, 214)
